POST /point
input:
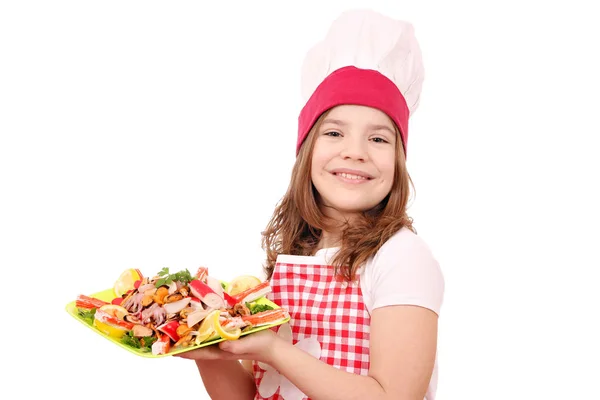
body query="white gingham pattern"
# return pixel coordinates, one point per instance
(324, 308)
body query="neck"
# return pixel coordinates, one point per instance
(328, 239)
(336, 220)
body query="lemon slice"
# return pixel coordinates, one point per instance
(103, 323)
(114, 331)
(126, 281)
(115, 310)
(227, 335)
(206, 330)
(241, 283)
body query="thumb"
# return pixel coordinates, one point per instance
(228, 346)
(234, 346)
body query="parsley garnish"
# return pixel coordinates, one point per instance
(87, 315)
(184, 277)
(144, 343)
(256, 308)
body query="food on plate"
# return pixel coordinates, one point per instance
(242, 283)
(110, 320)
(127, 281)
(179, 310)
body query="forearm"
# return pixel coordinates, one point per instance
(226, 379)
(320, 381)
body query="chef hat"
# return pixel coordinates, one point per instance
(366, 59)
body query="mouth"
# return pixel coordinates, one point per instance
(352, 175)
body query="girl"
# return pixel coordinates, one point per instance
(363, 290)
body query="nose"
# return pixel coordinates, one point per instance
(354, 149)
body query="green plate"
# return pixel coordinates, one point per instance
(109, 294)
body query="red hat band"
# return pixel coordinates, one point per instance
(351, 85)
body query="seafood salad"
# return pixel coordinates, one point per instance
(179, 310)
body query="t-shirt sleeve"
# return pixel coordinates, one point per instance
(405, 272)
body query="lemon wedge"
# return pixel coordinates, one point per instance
(114, 331)
(225, 334)
(109, 319)
(126, 281)
(241, 283)
(115, 310)
(206, 330)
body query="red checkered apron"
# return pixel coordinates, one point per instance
(323, 308)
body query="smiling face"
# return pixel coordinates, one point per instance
(353, 160)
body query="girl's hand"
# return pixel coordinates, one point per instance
(259, 346)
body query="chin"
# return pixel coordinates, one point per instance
(347, 210)
(345, 203)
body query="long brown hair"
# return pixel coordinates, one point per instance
(297, 222)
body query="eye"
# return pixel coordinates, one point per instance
(332, 134)
(379, 140)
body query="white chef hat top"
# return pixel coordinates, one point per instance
(368, 40)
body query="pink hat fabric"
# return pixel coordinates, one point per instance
(351, 85)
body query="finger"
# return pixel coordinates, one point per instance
(234, 347)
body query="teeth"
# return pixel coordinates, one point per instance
(350, 176)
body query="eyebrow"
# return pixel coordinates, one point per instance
(334, 121)
(371, 126)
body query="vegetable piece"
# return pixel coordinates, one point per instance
(170, 329)
(117, 301)
(256, 308)
(128, 280)
(227, 334)
(115, 310)
(184, 277)
(142, 343)
(241, 283)
(206, 330)
(87, 315)
(111, 324)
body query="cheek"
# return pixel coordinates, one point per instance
(315, 168)
(387, 168)
(390, 170)
(319, 162)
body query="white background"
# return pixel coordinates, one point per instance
(146, 134)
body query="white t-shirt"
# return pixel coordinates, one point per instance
(403, 272)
